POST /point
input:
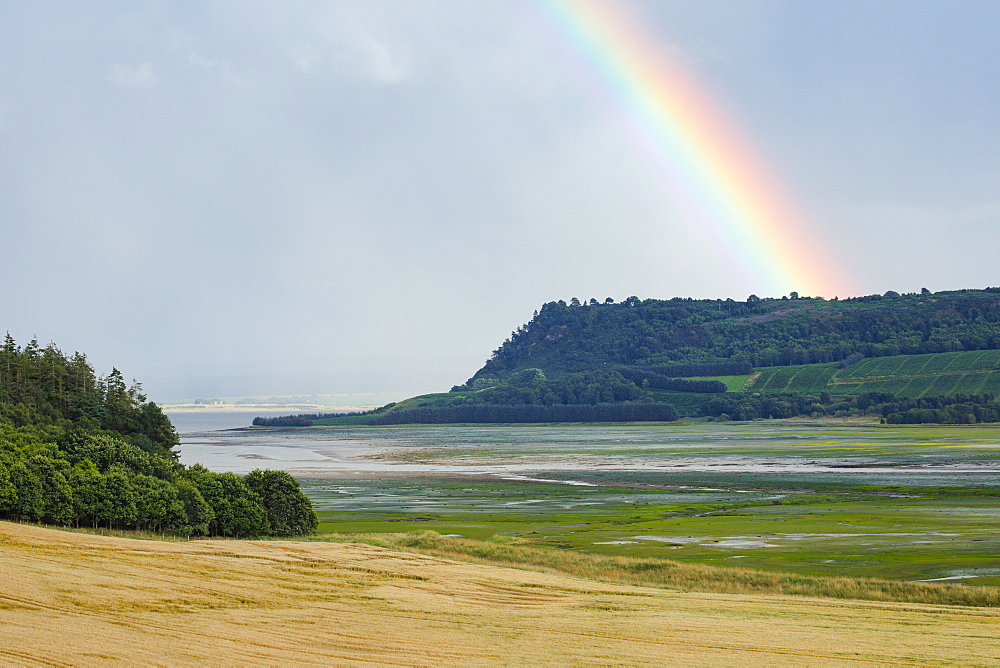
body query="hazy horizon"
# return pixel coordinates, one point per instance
(247, 199)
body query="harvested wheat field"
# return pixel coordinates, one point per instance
(72, 598)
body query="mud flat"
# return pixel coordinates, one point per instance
(909, 503)
(72, 598)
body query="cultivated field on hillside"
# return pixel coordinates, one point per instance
(71, 598)
(912, 376)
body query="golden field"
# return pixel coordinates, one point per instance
(70, 598)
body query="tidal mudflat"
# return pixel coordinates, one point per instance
(912, 503)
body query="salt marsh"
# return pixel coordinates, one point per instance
(915, 503)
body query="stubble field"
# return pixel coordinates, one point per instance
(72, 598)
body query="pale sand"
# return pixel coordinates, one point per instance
(71, 598)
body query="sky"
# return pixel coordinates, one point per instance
(257, 198)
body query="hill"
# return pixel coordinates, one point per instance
(916, 357)
(671, 334)
(78, 599)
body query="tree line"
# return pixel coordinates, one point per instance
(81, 450)
(645, 378)
(958, 409)
(588, 387)
(510, 414)
(726, 368)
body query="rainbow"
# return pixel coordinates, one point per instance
(709, 169)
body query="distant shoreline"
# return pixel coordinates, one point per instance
(256, 408)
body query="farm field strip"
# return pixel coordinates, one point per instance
(933, 363)
(892, 376)
(974, 372)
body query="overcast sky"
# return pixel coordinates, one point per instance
(247, 198)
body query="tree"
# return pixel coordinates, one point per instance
(199, 515)
(115, 391)
(105, 450)
(8, 493)
(157, 505)
(117, 507)
(289, 511)
(155, 425)
(246, 519)
(56, 494)
(237, 510)
(28, 504)
(88, 492)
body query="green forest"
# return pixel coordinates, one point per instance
(563, 338)
(912, 357)
(78, 449)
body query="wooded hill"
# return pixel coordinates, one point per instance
(676, 333)
(81, 450)
(906, 357)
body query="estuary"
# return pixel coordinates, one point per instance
(915, 503)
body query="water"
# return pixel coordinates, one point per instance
(699, 455)
(187, 422)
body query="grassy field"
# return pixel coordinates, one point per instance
(974, 372)
(732, 383)
(76, 599)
